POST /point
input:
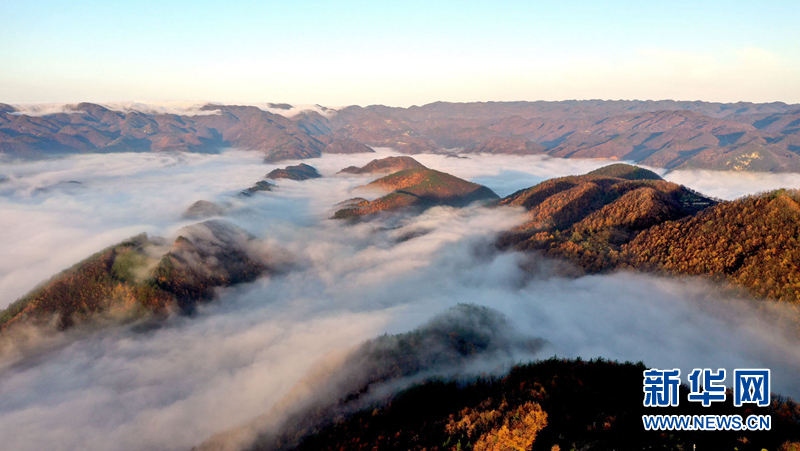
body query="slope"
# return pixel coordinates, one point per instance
(753, 242)
(417, 188)
(384, 165)
(140, 276)
(587, 218)
(549, 405)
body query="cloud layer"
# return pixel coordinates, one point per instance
(186, 108)
(171, 387)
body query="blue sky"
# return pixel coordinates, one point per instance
(398, 53)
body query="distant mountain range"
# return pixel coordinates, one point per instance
(669, 134)
(91, 128)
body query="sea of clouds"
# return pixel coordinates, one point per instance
(179, 107)
(171, 387)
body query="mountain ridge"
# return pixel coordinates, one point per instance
(141, 276)
(603, 221)
(738, 136)
(416, 188)
(547, 405)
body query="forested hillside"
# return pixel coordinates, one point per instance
(142, 276)
(551, 405)
(752, 242)
(588, 218)
(621, 217)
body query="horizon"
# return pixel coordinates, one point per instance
(133, 103)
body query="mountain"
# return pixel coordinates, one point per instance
(203, 209)
(586, 219)
(580, 108)
(417, 188)
(418, 391)
(671, 134)
(548, 405)
(301, 171)
(89, 127)
(753, 242)
(384, 165)
(621, 216)
(510, 145)
(261, 185)
(447, 344)
(377, 129)
(346, 146)
(143, 276)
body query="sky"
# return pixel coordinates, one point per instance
(398, 53)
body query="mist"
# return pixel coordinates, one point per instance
(184, 108)
(174, 385)
(732, 185)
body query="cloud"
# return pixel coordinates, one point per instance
(166, 107)
(460, 343)
(179, 107)
(172, 386)
(732, 185)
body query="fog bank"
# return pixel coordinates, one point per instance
(171, 387)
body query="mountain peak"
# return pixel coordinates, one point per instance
(418, 187)
(587, 218)
(384, 165)
(625, 171)
(301, 171)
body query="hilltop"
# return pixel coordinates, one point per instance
(141, 276)
(587, 218)
(261, 185)
(549, 405)
(414, 391)
(203, 209)
(621, 216)
(301, 171)
(753, 242)
(449, 342)
(384, 165)
(417, 188)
